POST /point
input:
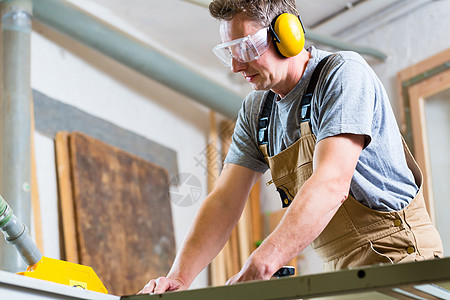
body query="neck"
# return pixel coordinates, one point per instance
(295, 67)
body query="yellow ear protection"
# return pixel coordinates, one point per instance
(288, 34)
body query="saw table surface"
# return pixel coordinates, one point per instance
(417, 280)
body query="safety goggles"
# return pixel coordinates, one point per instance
(245, 49)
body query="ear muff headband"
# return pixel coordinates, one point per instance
(289, 35)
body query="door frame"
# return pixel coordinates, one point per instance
(415, 85)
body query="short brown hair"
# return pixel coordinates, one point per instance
(262, 11)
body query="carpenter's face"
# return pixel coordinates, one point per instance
(263, 73)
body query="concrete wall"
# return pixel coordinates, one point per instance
(74, 74)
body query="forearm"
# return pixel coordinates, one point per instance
(207, 236)
(310, 212)
(315, 203)
(210, 230)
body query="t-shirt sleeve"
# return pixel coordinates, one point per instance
(345, 100)
(244, 149)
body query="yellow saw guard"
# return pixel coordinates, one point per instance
(67, 273)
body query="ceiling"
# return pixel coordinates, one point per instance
(185, 29)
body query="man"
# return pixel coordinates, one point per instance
(336, 158)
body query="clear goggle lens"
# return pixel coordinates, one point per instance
(244, 50)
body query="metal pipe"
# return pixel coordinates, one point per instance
(15, 165)
(16, 233)
(339, 44)
(110, 41)
(353, 16)
(394, 12)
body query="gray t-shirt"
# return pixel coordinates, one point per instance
(349, 98)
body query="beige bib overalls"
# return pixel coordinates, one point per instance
(358, 235)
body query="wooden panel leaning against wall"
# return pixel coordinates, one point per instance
(120, 210)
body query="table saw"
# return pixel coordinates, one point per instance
(417, 280)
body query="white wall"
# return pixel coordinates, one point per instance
(414, 37)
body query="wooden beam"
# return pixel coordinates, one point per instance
(65, 193)
(232, 259)
(35, 203)
(413, 71)
(417, 98)
(274, 219)
(217, 267)
(244, 234)
(255, 204)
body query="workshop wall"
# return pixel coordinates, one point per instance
(72, 73)
(416, 36)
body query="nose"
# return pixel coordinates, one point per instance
(237, 66)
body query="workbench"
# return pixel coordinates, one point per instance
(417, 280)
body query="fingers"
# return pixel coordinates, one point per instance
(159, 286)
(149, 287)
(163, 284)
(232, 280)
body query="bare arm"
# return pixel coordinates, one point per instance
(211, 229)
(315, 204)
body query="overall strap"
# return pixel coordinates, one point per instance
(263, 123)
(306, 100)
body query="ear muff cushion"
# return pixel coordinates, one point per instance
(290, 34)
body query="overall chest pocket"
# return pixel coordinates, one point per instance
(292, 167)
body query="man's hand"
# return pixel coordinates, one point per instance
(162, 285)
(210, 230)
(252, 270)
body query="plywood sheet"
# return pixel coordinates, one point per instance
(123, 215)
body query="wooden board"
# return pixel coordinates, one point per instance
(274, 219)
(35, 203)
(415, 70)
(418, 95)
(232, 258)
(68, 231)
(123, 215)
(255, 204)
(218, 274)
(412, 95)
